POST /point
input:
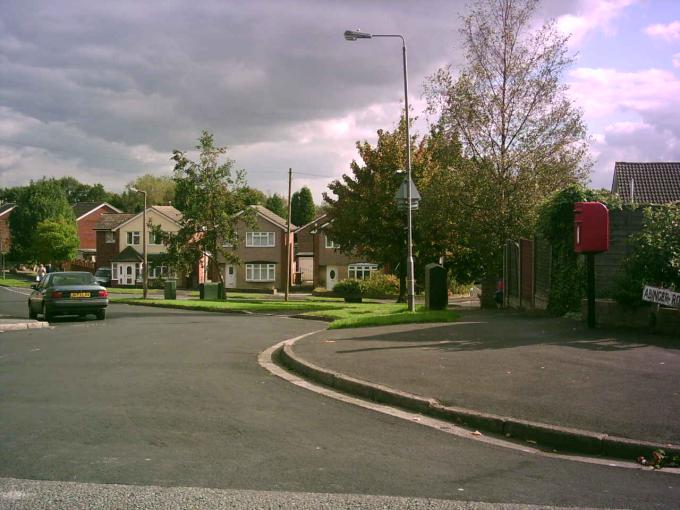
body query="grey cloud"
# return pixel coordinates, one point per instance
(128, 73)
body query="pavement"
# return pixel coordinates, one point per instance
(548, 380)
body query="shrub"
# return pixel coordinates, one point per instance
(379, 284)
(655, 259)
(345, 288)
(556, 225)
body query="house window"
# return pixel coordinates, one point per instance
(161, 272)
(154, 238)
(109, 237)
(330, 244)
(361, 271)
(260, 272)
(259, 239)
(133, 237)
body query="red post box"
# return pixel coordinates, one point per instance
(591, 227)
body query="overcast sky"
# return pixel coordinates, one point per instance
(104, 91)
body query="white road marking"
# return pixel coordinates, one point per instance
(265, 360)
(16, 291)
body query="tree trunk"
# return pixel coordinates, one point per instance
(402, 285)
(489, 283)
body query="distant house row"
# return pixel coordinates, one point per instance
(316, 260)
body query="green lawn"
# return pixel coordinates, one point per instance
(15, 282)
(342, 315)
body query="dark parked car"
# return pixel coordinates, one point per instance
(68, 293)
(103, 276)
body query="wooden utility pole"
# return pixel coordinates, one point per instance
(288, 246)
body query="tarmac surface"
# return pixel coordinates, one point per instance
(548, 370)
(160, 408)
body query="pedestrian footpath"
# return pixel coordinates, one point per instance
(542, 370)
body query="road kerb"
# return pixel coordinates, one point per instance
(543, 435)
(21, 326)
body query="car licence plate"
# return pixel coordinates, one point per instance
(80, 294)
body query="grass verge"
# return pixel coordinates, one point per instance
(15, 282)
(341, 315)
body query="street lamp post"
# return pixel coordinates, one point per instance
(145, 281)
(353, 35)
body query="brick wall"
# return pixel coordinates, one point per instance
(106, 251)
(86, 234)
(5, 233)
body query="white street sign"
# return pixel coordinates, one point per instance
(661, 296)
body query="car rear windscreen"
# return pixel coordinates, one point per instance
(73, 279)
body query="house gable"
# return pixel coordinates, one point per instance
(647, 183)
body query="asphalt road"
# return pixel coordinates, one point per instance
(173, 398)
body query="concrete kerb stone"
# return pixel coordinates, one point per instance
(21, 326)
(544, 435)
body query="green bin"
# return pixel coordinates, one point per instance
(211, 291)
(170, 289)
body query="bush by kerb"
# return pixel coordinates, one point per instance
(379, 285)
(349, 289)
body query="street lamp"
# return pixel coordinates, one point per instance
(145, 281)
(353, 35)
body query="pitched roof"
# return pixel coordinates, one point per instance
(166, 210)
(169, 211)
(652, 183)
(5, 208)
(314, 223)
(111, 221)
(129, 254)
(272, 217)
(82, 208)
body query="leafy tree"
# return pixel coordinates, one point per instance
(655, 259)
(160, 189)
(277, 205)
(518, 128)
(127, 201)
(56, 240)
(10, 195)
(302, 209)
(211, 196)
(452, 191)
(365, 219)
(253, 196)
(77, 191)
(40, 200)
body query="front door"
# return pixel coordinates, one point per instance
(127, 274)
(331, 276)
(230, 276)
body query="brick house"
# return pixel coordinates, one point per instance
(87, 216)
(330, 265)
(262, 251)
(5, 234)
(304, 253)
(119, 244)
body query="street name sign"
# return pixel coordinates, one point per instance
(661, 296)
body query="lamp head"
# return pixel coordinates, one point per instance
(353, 35)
